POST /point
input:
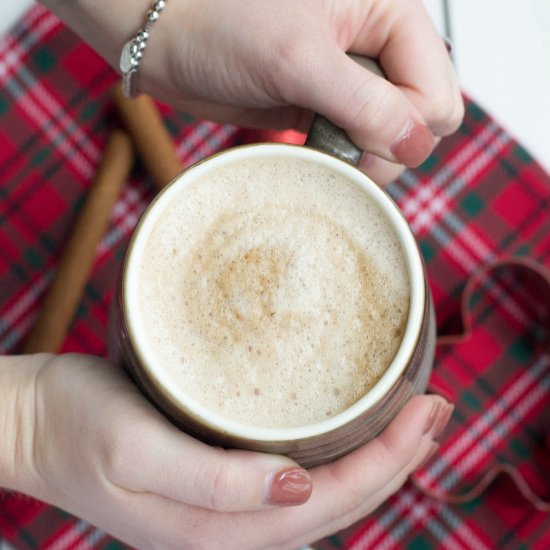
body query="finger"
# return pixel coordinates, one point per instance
(382, 171)
(345, 485)
(377, 115)
(276, 118)
(379, 170)
(369, 469)
(378, 467)
(415, 58)
(425, 450)
(171, 463)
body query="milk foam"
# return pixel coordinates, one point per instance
(273, 292)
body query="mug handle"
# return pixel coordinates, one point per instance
(327, 137)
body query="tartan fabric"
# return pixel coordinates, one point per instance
(478, 198)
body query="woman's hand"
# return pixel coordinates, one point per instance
(79, 435)
(270, 64)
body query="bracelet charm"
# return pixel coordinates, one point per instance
(132, 51)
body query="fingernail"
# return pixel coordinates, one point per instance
(438, 419)
(414, 144)
(433, 449)
(442, 420)
(288, 487)
(433, 416)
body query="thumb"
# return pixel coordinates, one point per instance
(171, 463)
(377, 115)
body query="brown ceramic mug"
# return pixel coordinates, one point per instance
(315, 442)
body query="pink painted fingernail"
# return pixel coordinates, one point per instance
(414, 144)
(438, 419)
(434, 413)
(442, 420)
(288, 487)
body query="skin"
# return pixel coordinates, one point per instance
(270, 64)
(76, 433)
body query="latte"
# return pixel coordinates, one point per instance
(273, 292)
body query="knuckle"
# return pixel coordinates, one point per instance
(375, 106)
(112, 462)
(354, 491)
(393, 452)
(219, 496)
(441, 110)
(117, 455)
(445, 115)
(291, 64)
(383, 452)
(458, 116)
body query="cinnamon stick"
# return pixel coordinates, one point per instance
(151, 138)
(62, 298)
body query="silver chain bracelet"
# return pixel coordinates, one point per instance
(132, 52)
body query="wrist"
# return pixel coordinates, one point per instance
(104, 25)
(18, 376)
(107, 26)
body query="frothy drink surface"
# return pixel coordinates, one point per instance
(273, 292)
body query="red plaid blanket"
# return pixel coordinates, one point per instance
(478, 199)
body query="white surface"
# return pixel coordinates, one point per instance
(10, 10)
(502, 53)
(503, 59)
(435, 7)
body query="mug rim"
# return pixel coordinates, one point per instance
(201, 414)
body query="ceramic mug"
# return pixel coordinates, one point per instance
(330, 438)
